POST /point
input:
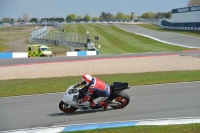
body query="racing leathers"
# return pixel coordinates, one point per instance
(99, 89)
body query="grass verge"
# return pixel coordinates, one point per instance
(157, 28)
(187, 128)
(18, 87)
(12, 33)
(116, 41)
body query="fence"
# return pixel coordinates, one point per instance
(178, 28)
(147, 20)
(57, 25)
(38, 33)
(72, 40)
(63, 39)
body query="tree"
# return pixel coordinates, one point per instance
(79, 17)
(6, 20)
(57, 19)
(25, 17)
(148, 15)
(121, 16)
(109, 16)
(33, 20)
(163, 15)
(193, 2)
(44, 20)
(95, 18)
(71, 17)
(168, 15)
(61, 19)
(106, 16)
(103, 16)
(87, 17)
(129, 17)
(20, 19)
(52, 19)
(12, 20)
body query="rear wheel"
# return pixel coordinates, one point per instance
(64, 107)
(121, 98)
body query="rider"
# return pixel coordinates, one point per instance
(93, 86)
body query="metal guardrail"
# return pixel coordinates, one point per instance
(43, 35)
(57, 25)
(178, 28)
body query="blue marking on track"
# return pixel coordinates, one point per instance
(99, 126)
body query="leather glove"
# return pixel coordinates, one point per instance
(76, 85)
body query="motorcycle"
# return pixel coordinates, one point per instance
(116, 100)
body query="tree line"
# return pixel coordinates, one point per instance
(193, 2)
(103, 16)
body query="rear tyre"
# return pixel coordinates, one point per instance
(122, 98)
(64, 107)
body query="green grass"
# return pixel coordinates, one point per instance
(116, 41)
(12, 28)
(111, 39)
(11, 33)
(157, 28)
(187, 128)
(3, 43)
(6, 37)
(17, 87)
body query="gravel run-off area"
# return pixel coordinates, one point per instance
(103, 66)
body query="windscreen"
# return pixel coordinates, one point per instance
(45, 49)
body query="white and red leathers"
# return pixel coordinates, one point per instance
(100, 89)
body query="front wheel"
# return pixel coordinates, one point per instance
(121, 98)
(64, 107)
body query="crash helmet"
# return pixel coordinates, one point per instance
(86, 79)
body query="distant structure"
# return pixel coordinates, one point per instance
(186, 14)
(184, 17)
(132, 16)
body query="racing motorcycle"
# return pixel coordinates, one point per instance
(116, 100)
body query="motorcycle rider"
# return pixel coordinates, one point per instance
(93, 87)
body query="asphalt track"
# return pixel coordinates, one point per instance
(147, 102)
(175, 38)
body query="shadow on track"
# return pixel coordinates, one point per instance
(80, 112)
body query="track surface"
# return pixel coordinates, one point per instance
(165, 36)
(147, 102)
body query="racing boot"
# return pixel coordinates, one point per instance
(104, 104)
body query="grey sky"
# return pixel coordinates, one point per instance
(61, 8)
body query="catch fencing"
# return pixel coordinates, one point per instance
(57, 25)
(61, 38)
(38, 33)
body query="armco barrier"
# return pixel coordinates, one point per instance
(81, 53)
(13, 55)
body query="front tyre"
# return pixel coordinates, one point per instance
(122, 98)
(64, 107)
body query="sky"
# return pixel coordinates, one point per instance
(61, 8)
